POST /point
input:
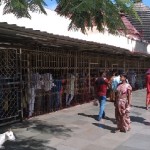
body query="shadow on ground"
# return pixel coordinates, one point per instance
(113, 120)
(28, 144)
(142, 107)
(29, 127)
(40, 127)
(38, 141)
(95, 117)
(139, 120)
(85, 115)
(104, 126)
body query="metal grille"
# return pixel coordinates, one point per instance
(9, 86)
(69, 67)
(84, 66)
(44, 80)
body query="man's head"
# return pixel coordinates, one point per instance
(123, 77)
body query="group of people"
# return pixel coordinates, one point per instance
(120, 94)
(45, 92)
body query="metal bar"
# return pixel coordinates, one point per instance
(20, 111)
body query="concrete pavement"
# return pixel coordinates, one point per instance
(76, 129)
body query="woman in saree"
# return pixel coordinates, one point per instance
(122, 105)
(148, 89)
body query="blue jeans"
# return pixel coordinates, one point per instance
(102, 103)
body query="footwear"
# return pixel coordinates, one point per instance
(117, 130)
(98, 119)
(123, 131)
(129, 129)
(103, 116)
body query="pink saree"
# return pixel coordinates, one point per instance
(122, 109)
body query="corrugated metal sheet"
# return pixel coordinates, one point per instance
(131, 30)
(144, 14)
(13, 34)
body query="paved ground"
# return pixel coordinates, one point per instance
(76, 129)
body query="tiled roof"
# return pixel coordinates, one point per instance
(131, 30)
(143, 27)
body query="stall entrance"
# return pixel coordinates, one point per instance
(10, 86)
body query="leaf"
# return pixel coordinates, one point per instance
(85, 14)
(20, 8)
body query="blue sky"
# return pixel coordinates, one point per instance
(146, 2)
(52, 3)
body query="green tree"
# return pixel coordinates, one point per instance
(83, 13)
(21, 8)
(86, 13)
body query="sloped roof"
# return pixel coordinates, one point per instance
(143, 27)
(131, 30)
(13, 36)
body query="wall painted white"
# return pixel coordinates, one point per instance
(122, 41)
(53, 23)
(148, 48)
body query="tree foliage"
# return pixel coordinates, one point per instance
(83, 13)
(89, 13)
(21, 8)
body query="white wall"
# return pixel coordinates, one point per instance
(148, 48)
(122, 41)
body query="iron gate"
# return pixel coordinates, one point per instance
(10, 86)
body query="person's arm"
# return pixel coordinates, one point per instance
(116, 98)
(129, 97)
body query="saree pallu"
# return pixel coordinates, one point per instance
(122, 111)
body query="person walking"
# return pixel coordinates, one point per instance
(101, 87)
(122, 104)
(148, 89)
